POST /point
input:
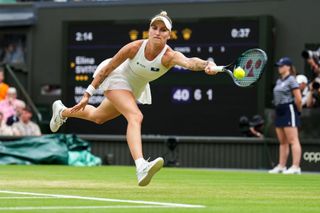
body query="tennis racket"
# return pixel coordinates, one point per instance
(252, 62)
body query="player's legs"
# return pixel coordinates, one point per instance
(293, 139)
(104, 112)
(125, 102)
(118, 102)
(283, 147)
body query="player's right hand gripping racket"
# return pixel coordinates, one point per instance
(252, 62)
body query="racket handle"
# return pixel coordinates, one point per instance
(219, 68)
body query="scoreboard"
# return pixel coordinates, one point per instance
(183, 102)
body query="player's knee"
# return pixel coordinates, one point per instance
(293, 141)
(99, 121)
(283, 142)
(136, 117)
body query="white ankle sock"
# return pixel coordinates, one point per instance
(60, 113)
(139, 162)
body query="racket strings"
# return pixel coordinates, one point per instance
(252, 62)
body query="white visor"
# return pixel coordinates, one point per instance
(164, 20)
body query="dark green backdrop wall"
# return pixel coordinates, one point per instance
(295, 25)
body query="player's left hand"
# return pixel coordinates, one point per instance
(210, 68)
(82, 104)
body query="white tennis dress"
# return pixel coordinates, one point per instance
(134, 74)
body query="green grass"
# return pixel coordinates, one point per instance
(219, 191)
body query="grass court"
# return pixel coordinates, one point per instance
(114, 189)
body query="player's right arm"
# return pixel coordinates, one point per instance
(128, 51)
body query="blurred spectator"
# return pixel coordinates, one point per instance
(244, 126)
(313, 98)
(4, 129)
(20, 105)
(3, 86)
(313, 59)
(12, 47)
(314, 66)
(7, 54)
(9, 104)
(252, 128)
(256, 126)
(25, 127)
(13, 54)
(303, 85)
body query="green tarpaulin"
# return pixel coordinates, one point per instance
(48, 149)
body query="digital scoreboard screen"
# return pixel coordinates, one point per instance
(183, 102)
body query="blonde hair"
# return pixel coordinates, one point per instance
(163, 14)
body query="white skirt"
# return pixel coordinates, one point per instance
(118, 81)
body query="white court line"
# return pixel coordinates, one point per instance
(177, 205)
(4, 198)
(75, 207)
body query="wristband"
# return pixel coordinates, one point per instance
(90, 90)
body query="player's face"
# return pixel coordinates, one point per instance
(158, 32)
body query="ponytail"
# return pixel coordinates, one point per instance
(293, 71)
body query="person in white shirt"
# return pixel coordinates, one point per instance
(303, 85)
(26, 127)
(4, 129)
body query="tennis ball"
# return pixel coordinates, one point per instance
(239, 73)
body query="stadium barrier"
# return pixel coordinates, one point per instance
(204, 152)
(201, 152)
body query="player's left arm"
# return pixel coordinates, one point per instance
(194, 63)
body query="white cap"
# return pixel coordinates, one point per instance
(301, 79)
(162, 18)
(12, 90)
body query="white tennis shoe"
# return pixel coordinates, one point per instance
(56, 119)
(147, 170)
(293, 170)
(277, 170)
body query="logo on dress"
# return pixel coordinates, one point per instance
(141, 65)
(155, 69)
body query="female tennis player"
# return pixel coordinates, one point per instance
(125, 80)
(288, 102)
